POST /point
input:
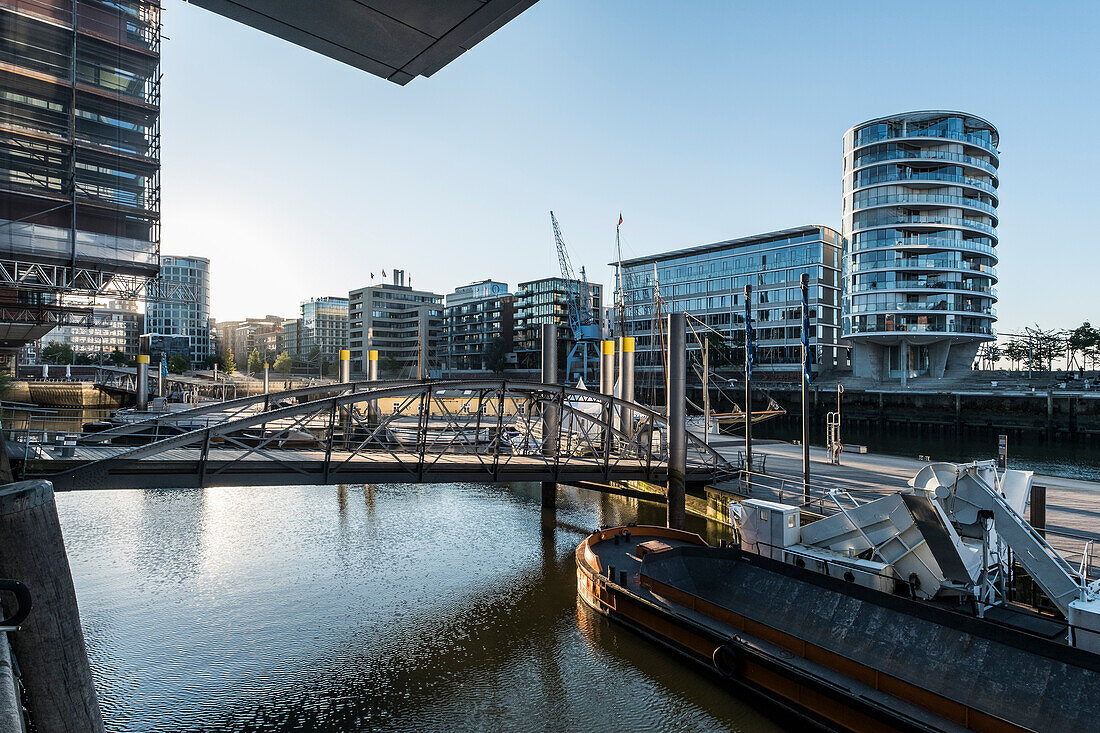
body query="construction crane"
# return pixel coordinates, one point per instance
(584, 324)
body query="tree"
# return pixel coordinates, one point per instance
(229, 364)
(988, 355)
(178, 364)
(58, 353)
(389, 366)
(255, 362)
(1082, 340)
(1016, 351)
(209, 362)
(496, 355)
(1046, 346)
(117, 358)
(283, 363)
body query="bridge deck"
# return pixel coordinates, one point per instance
(182, 467)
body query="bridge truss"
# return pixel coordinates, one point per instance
(380, 432)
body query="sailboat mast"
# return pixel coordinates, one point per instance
(620, 298)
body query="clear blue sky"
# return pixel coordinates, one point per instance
(700, 121)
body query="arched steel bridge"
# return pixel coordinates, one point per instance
(378, 432)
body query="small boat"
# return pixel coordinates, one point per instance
(904, 634)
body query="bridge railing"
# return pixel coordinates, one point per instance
(420, 429)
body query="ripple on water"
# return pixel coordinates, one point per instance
(398, 607)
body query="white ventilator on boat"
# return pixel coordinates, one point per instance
(948, 534)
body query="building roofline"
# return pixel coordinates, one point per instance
(715, 246)
(931, 113)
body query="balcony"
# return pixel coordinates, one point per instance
(860, 203)
(928, 220)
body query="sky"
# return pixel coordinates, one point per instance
(699, 121)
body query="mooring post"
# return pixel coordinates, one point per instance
(550, 417)
(1037, 516)
(1050, 415)
(626, 376)
(372, 365)
(676, 389)
(806, 366)
(607, 388)
(50, 644)
(345, 366)
(267, 377)
(142, 404)
(748, 379)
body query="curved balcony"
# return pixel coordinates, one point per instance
(910, 286)
(920, 177)
(860, 140)
(862, 161)
(918, 328)
(926, 264)
(930, 220)
(937, 308)
(927, 243)
(918, 198)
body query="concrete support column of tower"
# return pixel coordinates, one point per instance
(626, 378)
(345, 365)
(142, 385)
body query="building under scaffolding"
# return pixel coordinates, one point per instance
(79, 159)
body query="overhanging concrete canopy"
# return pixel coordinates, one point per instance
(395, 39)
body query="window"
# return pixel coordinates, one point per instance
(763, 515)
(790, 521)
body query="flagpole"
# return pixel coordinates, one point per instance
(805, 279)
(748, 380)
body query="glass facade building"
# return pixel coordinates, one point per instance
(547, 301)
(476, 316)
(324, 327)
(920, 219)
(190, 319)
(709, 282)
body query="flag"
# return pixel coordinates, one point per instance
(164, 366)
(620, 218)
(807, 355)
(749, 355)
(383, 273)
(372, 276)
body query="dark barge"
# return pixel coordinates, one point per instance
(833, 651)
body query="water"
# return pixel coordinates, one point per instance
(1061, 458)
(392, 607)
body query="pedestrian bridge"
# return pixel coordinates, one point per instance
(385, 432)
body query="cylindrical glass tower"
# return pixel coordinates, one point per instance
(920, 220)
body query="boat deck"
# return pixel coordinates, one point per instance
(622, 556)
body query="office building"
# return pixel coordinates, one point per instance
(262, 334)
(478, 319)
(404, 325)
(115, 326)
(920, 217)
(323, 329)
(80, 162)
(547, 301)
(288, 340)
(190, 319)
(709, 282)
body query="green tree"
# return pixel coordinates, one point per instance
(178, 364)
(283, 363)
(1016, 351)
(58, 353)
(117, 358)
(388, 366)
(229, 364)
(255, 362)
(496, 355)
(1082, 340)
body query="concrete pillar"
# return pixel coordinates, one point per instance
(626, 377)
(550, 415)
(903, 360)
(50, 643)
(1050, 414)
(372, 365)
(345, 366)
(676, 390)
(142, 383)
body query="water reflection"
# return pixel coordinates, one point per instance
(421, 607)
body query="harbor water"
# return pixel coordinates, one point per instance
(390, 607)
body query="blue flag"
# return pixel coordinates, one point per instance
(807, 354)
(750, 357)
(164, 366)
